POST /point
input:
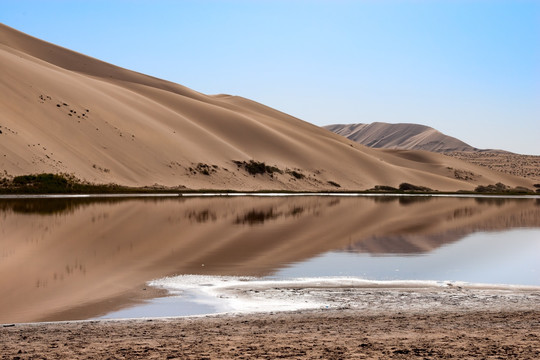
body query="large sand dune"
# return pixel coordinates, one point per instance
(61, 111)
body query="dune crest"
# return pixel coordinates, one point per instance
(61, 111)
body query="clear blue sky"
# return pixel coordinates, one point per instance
(471, 69)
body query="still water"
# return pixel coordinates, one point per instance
(85, 258)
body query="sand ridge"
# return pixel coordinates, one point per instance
(66, 112)
(403, 136)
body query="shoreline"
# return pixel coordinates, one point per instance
(261, 298)
(263, 194)
(502, 327)
(244, 295)
(58, 184)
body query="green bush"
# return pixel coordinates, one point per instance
(42, 182)
(411, 187)
(500, 188)
(58, 184)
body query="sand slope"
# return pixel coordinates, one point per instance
(400, 136)
(61, 111)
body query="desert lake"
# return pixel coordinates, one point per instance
(83, 258)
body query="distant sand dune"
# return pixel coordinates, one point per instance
(61, 111)
(400, 136)
(420, 137)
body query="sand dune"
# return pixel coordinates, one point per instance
(400, 136)
(61, 111)
(420, 137)
(73, 259)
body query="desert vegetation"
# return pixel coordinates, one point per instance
(411, 187)
(56, 184)
(296, 174)
(48, 183)
(257, 167)
(383, 188)
(500, 188)
(254, 167)
(204, 169)
(403, 187)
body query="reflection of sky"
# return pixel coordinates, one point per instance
(163, 307)
(508, 257)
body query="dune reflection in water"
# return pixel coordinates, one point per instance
(79, 258)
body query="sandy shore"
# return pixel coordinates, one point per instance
(398, 323)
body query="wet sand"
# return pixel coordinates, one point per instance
(398, 323)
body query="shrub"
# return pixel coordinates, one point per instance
(411, 187)
(273, 169)
(257, 167)
(204, 169)
(57, 184)
(384, 188)
(50, 182)
(296, 174)
(481, 189)
(500, 188)
(520, 190)
(334, 183)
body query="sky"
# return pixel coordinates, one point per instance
(470, 69)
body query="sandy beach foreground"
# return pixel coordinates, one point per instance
(399, 323)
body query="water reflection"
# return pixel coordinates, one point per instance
(78, 258)
(51, 206)
(253, 216)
